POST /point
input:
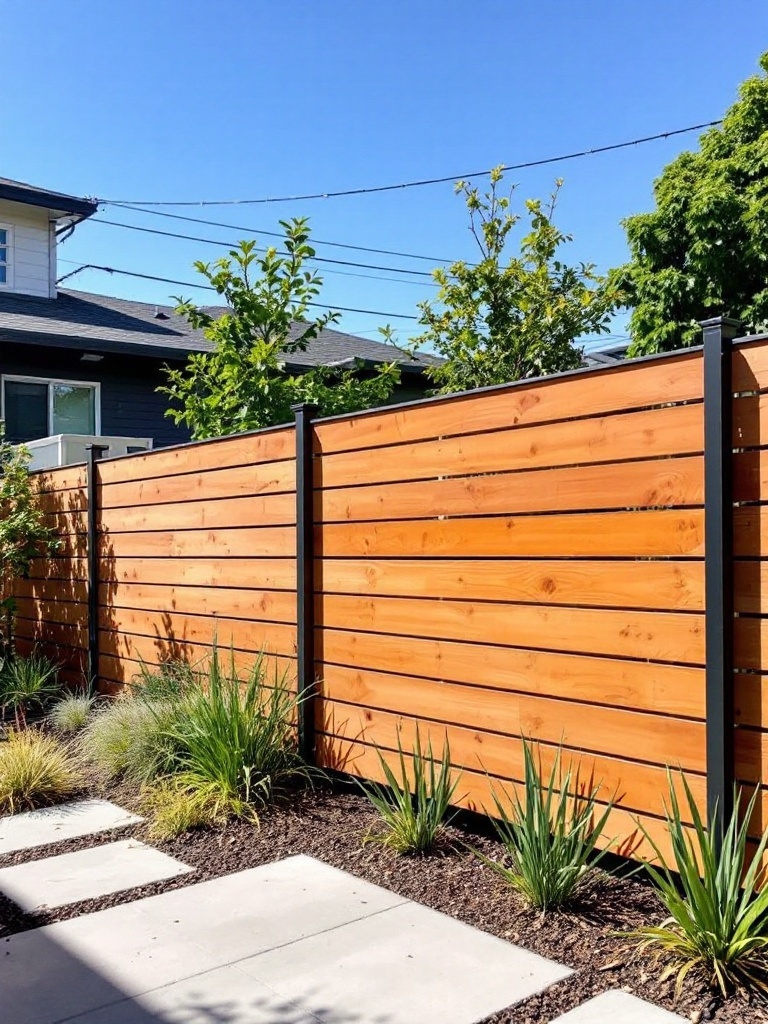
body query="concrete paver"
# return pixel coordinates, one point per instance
(64, 821)
(86, 874)
(618, 1007)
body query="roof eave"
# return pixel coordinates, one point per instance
(60, 205)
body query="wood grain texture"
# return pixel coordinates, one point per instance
(750, 367)
(264, 510)
(679, 379)
(659, 636)
(115, 670)
(224, 602)
(178, 632)
(642, 534)
(649, 483)
(246, 542)
(663, 689)
(255, 573)
(663, 585)
(672, 430)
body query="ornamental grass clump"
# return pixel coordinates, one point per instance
(235, 740)
(131, 738)
(27, 684)
(69, 714)
(414, 806)
(718, 914)
(551, 837)
(35, 770)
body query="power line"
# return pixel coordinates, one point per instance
(272, 234)
(210, 288)
(213, 241)
(415, 184)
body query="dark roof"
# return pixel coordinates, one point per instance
(100, 323)
(32, 195)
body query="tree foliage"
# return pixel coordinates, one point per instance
(243, 383)
(23, 532)
(497, 320)
(703, 251)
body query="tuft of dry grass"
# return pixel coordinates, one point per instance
(36, 769)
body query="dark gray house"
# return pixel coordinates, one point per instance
(76, 363)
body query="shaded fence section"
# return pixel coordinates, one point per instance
(522, 561)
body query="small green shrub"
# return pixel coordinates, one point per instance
(551, 838)
(235, 743)
(70, 714)
(167, 681)
(175, 808)
(28, 683)
(36, 769)
(718, 919)
(131, 738)
(413, 812)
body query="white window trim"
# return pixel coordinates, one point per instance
(93, 384)
(8, 283)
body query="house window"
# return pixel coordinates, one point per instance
(33, 408)
(5, 255)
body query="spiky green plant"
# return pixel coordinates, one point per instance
(70, 713)
(131, 738)
(718, 915)
(27, 683)
(175, 808)
(167, 681)
(413, 808)
(235, 741)
(551, 836)
(36, 769)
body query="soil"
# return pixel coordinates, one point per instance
(332, 824)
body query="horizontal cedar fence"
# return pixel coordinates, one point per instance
(524, 561)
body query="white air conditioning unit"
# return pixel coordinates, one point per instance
(69, 449)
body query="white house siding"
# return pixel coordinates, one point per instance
(33, 254)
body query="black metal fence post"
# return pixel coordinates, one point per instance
(718, 538)
(95, 451)
(305, 583)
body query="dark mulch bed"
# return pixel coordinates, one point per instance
(331, 826)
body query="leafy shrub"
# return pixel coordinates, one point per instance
(414, 814)
(70, 714)
(27, 683)
(235, 743)
(130, 738)
(551, 839)
(718, 920)
(36, 769)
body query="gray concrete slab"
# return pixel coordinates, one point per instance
(64, 821)
(618, 1007)
(405, 964)
(86, 874)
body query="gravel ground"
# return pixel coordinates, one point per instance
(331, 826)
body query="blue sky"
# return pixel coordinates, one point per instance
(194, 100)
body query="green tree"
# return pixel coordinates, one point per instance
(243, 383)
(23, 532)
(498, 321)
(703, 251)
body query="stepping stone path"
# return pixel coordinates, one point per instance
(292, 942)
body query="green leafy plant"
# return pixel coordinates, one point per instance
(414, 807)
(235, 740)
(131, 738)
(175, 808)
(551, 836)
(718, 917)
(507, 318)
(244, 383)
(27, 683)
(70, 714)
(167, 681)
(36, 769)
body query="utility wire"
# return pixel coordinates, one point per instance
(210, 288)
(272, 234)
(213, 241)
(414, 184)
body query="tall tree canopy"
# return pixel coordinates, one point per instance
(704, 249)
(508, 317)
(243, 383)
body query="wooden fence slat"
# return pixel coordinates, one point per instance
(257, 573)
(750, 367)
(665, 689)
(659, 636)
(226, 602)
(677, 379)
(663, 585)
(649, 483)
(180, 633)
(259, 510)
(673, 430)
(244, 542)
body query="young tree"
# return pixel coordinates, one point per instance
(243, 383)
(703, 251)
(494, 323)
